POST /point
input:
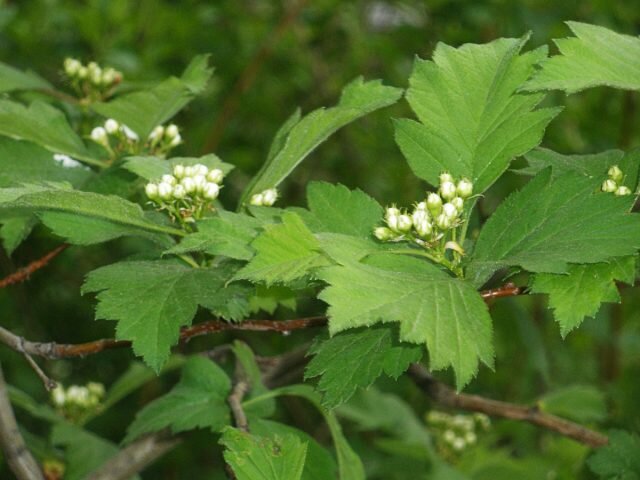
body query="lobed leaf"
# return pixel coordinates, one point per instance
(620, 459)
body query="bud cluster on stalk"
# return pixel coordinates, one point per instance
(76, 400)
(613, 183)
(454, 433)
(432, 219)
(118, 138)
(188, 193)
(264, 199)
(91, 80)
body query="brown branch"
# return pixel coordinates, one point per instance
(235, 403)
(445, 395)
(22, 274)
(20, 460)
(249, 75)
(506, 290)
(135, 457)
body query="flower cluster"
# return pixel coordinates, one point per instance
(613, 183)
(264, 199)
(188, 192)
(116, 137)
(76, 400)
(91, 80)
(456, 432)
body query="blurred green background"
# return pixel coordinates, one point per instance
(270, 57)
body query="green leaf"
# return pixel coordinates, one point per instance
(12, 79)
(261, 458)
(432, 308)
(596, 56)
(14, 230)
(335, 208)
(358, 99)
(355, 359)
(268, 299)
(151, 300)
(285, 252)
(152, 168)
(581, 403)
(84, 451)
(83, 217)
(579, 293)
(199, 400)
(472, 120)
(228, 234)
(143, 110)
(620, 459)
(551, 223)
(45, 125)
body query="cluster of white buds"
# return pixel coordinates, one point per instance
(430, 219)
(168, 136)
(613, 183)
(116, 137)
(76, 399)
(113, 130)
(91, 76)
(456, 432)
(188, 192)
(264, 199)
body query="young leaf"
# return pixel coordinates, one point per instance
(432, 308)
(620, 459)
(152, 168)
(12, 79)
(551, 223)
(199, 400)
(579, 293)
(285, 252)
(261, 458)
(142, 111)
(358, 99)
(151, 300)
(595, 56)
(472, 120)
(581, 403)
(355, 359)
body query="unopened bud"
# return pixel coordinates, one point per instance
(199, 181)
(156, 133)
(111, 126)
(71, 66)
(99, 135)
(419, 215)
(188, 184)
(447, 190)
(615, 174)
(609, 186)
(464, 188)
(200, 169)
(82, 72)
(458, 202)
(443, 222)
(383, 233)
(189, 171)
(165, 191)
(404, 223)
(269, 197)
(423, 227)
(58, 396)
(211, 191)
(130, 134)
(256, 200)
(445, 177)
(177, 140)
(622, 190)
(450, 210)
(151, 189)
(216, 176)
(178, 171)
(458, 443)
(96, 389)
(171, 131)
(109, 76)
(434, 203)
(470, 438)
(179, 192)
(170, 179)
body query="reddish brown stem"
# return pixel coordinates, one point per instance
(23, 274)
(507, 290)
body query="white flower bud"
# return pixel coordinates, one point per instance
(71, 66)
(609, 186)
(404, 223)
(458, 444)
(109, 76)
(445, 177)
(130, 134)
(188, 184)
(95, 75)
(470, 438)
(622, 190)
(464, 188)
(179, 171)
(391, 218)
(156, 133)
(99, 135)
(189, 171)
(269, 197)
(434, 203)
(82, 72)
(177, 140)
(458, 202)
(421, 206)
(383, 234)
(165, 191)
(96, 389)
(179, 192)
(200, 169)
(443, 222)
(419, 215)
(423, 227)
(450, 210)
(58, 396)
(66, 161)
(211, 191)
(199, 181)
(256, 200)
(170, 179)
(449, 436)
(447, 190)
(216, 176)
(151, 189)
(111, 126)
(615, 174)
(171, 131)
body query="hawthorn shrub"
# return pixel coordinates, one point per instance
(398, 291)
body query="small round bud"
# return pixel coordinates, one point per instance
(615, 174)
(99, 135)
(165, 190)
(95, 75)
(170, 179)
(392, 219)
(200, 169)
(82, 72)
(447, 190)
(256, 200)
(199, 181)
(421, 206)
(130, 134)
(269, 197)
(177, 140)
(450, 210)
(216, 176)
(171, 131)
(423, 227)
(449, 436)
(111, 126)
(464, 188)
(419, 215)
(622, 190)
(404, 223)
(434, 203)
(458, 443)
(151, 189)
(443, 222)
(383, 233)
(156, 133)
(189, 171)
(71, 66)
(179, 192)
(178, 171)
(470, 438)
(445, 177)
(211, 191)
(96, 389)
(109, 76)
(188, 184)
(458, 202)
(58, 396)
(609, 186)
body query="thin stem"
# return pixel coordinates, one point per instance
(188, 260)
